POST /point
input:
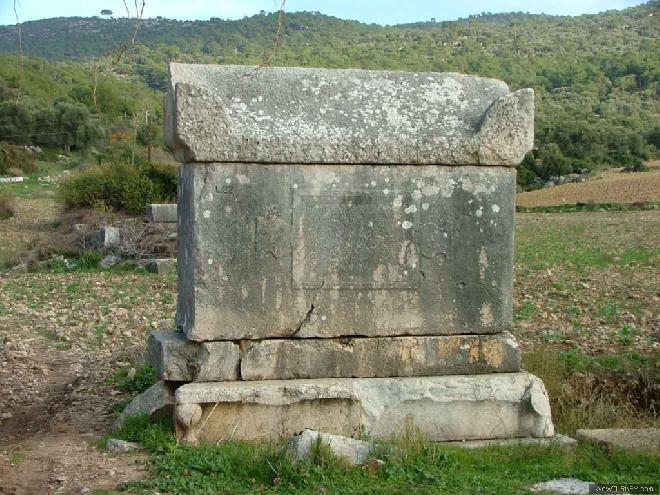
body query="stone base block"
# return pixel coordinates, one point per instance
(380, 357)
(456, 407)
(178, 359)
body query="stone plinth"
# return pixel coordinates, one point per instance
(177, 359)
(456, 407)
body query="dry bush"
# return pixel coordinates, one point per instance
(608, 399)
(6, 206)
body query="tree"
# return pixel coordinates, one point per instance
(74, 125)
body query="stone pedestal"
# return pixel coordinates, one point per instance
(346, 255)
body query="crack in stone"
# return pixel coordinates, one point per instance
(309, 313)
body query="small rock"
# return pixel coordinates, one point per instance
(562, 485)
(161, 265)
(6, 415)
(121, 446)
(156, 401)
(109, 261)
(349, 449)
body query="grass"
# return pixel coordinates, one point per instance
(137, 382)
(412, 465)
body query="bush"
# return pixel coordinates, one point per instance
(119, 187)
(6, 206)
(16, 157)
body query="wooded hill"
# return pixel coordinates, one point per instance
(595, 76)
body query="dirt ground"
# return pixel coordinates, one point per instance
(62, 339)
(63, 336)
(610, 186)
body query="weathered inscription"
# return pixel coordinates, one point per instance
(353, 240)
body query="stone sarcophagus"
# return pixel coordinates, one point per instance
(346, 254)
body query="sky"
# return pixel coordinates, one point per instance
(371, 11)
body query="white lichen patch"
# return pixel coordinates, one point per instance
(207, 214)
(479, 212)
(495, 208)
(417, 195)
(411, 209)
(483, 263)
(398, 201)
(486, 314)
(406, 225)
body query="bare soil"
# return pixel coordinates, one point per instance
(611, 186)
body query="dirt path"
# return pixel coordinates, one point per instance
(56, 414)
(62, 337)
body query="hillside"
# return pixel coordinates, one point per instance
(595, 76)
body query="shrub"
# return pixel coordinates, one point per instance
(119, 187)
(6, 206)
(16, 157)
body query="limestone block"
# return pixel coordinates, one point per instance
(161, 266)
(379, 357)
(161, 213)
(349, 449)
(304, 115)
(176, 359)
(272, 251)
(456, 407)
(105, 237)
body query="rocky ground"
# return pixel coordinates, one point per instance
(583, 280)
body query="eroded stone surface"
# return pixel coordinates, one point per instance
(379, 357)
(445, 408)
(302, 115)
(177, 359)
(268, 251)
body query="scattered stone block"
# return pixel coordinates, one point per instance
(9, 180)
(637, 439)
(109, 261)
(352, 451)
(558, 439)
(121, 446)
(379, 357)
(563, 485)
(161, 266)
(457, 407)
(177, 359)
(161, 213)
(105, 238)
(157, 401)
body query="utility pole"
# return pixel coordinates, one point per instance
(148, 129)
(134, 139)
